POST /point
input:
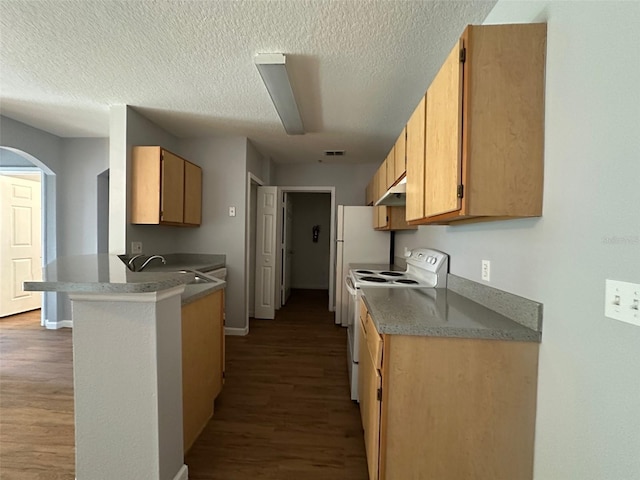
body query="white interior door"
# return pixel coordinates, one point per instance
(266, 252)
(287, 246)
(20, 242)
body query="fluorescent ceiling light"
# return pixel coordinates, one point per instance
(273, 70)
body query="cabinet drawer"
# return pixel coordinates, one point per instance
(374, 342)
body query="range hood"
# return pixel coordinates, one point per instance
(395, 196)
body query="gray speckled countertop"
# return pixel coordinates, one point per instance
(104, 273)
(440, 313)
(195, 292)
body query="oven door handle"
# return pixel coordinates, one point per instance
(348, 281)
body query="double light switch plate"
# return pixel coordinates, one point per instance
(622, 301)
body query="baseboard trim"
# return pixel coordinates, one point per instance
(183, 473)
(238, 332)
(57, 325)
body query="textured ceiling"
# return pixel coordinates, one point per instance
(358, 67)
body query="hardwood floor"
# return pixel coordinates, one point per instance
(284, 412)
(36, 400)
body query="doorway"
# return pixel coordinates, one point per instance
(305, 247)
(274, 261)
(253, 183)
(21, 240)
(13, 160)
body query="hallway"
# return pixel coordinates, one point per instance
(284, 412)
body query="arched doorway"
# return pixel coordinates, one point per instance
(22, 168)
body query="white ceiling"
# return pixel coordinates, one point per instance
(358, 67)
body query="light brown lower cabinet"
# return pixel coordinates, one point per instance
(202, 362)
(446, 408)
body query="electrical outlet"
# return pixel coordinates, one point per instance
(622, 301)
(486, 270)
(136, 247)
(232, 211)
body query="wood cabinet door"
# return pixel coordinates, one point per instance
(443, 156)
(391, 168)
(415, 162)
(172, 188)
(383, 217)
(217, 306)
(199, 359)
(192, 194)
(382, 179)
(145, 184)
(400, 152)
(369, 193)
(369, 383)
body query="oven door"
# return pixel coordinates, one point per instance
(352, 335)
(352, 304)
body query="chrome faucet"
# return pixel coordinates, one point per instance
(131, 261)
(146, 262)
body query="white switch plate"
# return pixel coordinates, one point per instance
(136, 247)
(232, 211)
(622, 301)
(486, 270)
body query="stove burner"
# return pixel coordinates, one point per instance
(365, 272)
(407, 281)
(392, 274)
(374, 279)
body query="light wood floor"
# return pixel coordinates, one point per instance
(284, 412)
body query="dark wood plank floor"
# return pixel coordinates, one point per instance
(284, 412)
(36, 400)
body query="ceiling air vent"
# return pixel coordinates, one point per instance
(334, 153)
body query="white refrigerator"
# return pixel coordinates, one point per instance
(356, 242)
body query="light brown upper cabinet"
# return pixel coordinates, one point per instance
(192, 194)
(166, 188)
(482, 156)
(400, 150)
(415, 162)
(380, 217)
(390, 163)
(369, 193)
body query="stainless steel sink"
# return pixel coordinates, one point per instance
(198, 279)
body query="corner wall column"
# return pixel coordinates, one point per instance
(127, 362)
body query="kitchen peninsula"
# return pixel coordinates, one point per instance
(127, 358)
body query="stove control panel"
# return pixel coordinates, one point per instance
(424, 257)
(430, 265)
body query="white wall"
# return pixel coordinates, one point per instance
(310, 261)
(350, 180)
(83, 159)
(11, 159)
(588, 420)
(223, 162)
(44, 151)
(259, 165)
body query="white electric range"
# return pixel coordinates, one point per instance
(426, 269)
